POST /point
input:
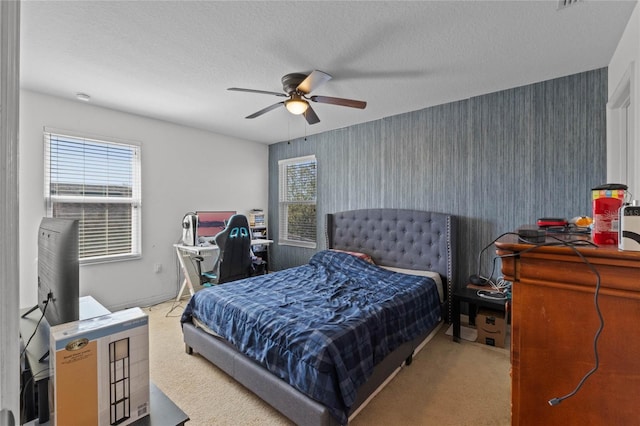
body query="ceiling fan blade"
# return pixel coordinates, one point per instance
(339, 101)
(313, 81)
(310, 116)
(264, 92)
(264, 110)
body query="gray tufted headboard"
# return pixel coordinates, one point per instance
(411, 239)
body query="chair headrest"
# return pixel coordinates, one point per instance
(238, 227)
(238, 220)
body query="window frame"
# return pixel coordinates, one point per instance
(283, 203)
(135, 200)
(622, 154)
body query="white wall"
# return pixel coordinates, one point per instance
(9, 239)
(183, 169)
(626, 54)
(628, 50)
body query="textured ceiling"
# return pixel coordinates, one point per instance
(174, 60)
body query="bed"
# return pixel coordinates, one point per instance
(317, 359)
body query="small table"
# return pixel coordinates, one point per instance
(189, 271)
(470, 295)
(163, 410)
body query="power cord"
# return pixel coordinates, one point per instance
(491, 294)
(499, 288)
(573, 244)
(558, 400)
(35, 330)
(481, 280)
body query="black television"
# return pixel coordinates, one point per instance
(58, 270)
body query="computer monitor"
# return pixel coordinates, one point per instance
(212, 222)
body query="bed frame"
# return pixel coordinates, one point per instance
(399, 238)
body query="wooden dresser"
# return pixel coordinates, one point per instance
(554, 322)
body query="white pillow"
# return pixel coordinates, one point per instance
(434, 275)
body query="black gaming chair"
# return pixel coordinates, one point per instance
(234, 258)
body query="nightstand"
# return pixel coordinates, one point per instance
(470, 296)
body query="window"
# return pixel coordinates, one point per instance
(98, 183)
(297, 201)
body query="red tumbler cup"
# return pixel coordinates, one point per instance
(607, 200)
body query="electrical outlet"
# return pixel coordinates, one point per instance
(157, 268)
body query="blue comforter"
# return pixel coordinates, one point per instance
(323, 326)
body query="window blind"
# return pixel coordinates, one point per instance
(297, 201)
(98, 183)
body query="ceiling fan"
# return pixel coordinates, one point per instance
(297, 87)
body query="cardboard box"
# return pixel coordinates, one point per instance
(100, 369)
(492, 327)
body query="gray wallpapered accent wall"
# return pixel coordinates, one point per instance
(497, 161)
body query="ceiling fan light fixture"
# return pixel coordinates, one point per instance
(296, 88)
(296, 106)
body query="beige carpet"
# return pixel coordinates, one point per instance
(447, 384)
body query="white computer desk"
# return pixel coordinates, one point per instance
(185, 254)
